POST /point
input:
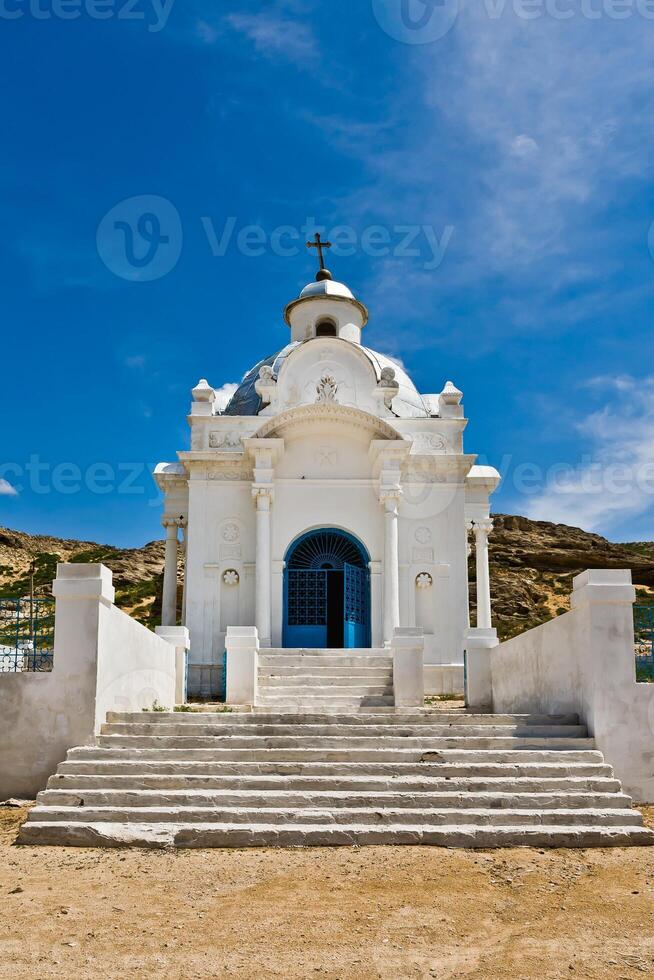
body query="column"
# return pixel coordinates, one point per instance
(390, 501)
(169, 601)
(263, 584)
(482, 530)
(184, 545)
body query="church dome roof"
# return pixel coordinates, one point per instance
(407, 403)
(327, 287)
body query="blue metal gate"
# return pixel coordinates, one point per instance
(644, 642)
(356, 587)
(327, 592)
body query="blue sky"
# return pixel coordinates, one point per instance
(496, 181)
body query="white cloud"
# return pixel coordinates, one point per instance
(6, 489)
(615, 480)
(544, 160)
(224, 394)
(274, 34)
(523, 146)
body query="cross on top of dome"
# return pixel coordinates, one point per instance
(323, 272)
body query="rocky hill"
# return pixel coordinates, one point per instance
(532, 565)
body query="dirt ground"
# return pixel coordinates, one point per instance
(347, 913)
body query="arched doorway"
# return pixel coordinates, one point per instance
(327, 591)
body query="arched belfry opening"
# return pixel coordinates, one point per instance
(327, 591)
(326, 328)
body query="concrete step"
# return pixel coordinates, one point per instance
(306, 661)
(380, 717)
(325, 768)
(142, 778)
(429, 817)
(288, 799)
(419, 744)
(318, 774)
(345, 731)
(369, 679)
(309, 702)
(566, 753)
(293, 688)
(80, 833)
(327, 653)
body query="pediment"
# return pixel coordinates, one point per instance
(328, 413)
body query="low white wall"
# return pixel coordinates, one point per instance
(583, 662)
(443, 679)
(103, 660)
(135, 667)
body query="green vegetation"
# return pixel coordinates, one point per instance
(45, 570)
(155, 707)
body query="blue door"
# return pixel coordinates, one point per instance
(305, 602)
(356, 586)
(327, 592)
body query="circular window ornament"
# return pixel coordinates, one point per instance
(231, 532)
(424, 580)
(231, 577)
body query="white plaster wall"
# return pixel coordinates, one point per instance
(41, 717)
(220, 537)
(433, 540)
(542, 670)
(103, 660)
(583, 662)
(135, 667)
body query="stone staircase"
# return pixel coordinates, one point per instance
(356, 776)
(307, 680)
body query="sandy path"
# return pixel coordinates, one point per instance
(331, 913)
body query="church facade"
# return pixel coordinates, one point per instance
(328, 503)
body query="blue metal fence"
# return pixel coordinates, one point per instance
(26, 634)
(644, 641)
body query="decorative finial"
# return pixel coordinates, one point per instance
(322, 273)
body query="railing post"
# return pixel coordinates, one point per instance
(478, 676)
(408, 646)
(242, 644)
(179, 637)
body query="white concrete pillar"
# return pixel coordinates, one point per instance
(263, 579)
(408, 647)
(178, 636)
(242, 646)
(390, 502)
(482, 530)
(169, 600)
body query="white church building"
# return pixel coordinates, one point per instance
(325, 516)
(328, 503)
